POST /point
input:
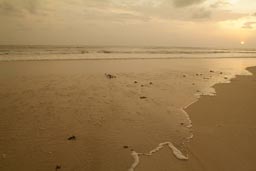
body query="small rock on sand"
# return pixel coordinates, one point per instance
(143, 97)
(150, 83)
(58, 167)
(72, 138)
(125, 146)
(110, 76)
(135, 82)
(211, 71)
(225, 78)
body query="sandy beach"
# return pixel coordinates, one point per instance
(70, 115)
(224, 127)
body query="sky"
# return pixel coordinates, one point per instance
(190, 23)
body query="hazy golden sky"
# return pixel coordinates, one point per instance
(223, 23)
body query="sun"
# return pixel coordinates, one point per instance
(242, 42)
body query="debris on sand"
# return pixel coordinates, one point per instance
(225, 78)
(181, 123)
(72, 138)
(125, 146)
(150, 83)
(184, 75)
(58, 167)
(197, 74)
(143, 97)
(135, 82)
(142, 85)
(110, 76)
(211, 71)
(221, 72)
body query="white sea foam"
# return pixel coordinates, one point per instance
(176, 152)
(136, 158)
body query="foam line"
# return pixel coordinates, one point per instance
(176, 152)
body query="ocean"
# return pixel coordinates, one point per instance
(23, 53)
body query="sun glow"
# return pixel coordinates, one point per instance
(233, 1)
(242, 42)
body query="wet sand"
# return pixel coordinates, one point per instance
(42, 104)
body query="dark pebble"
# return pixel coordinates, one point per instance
(57, 167)
(72, 138)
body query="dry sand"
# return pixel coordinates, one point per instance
(224, 127)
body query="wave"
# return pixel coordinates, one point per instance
(12, 53)
(70, 52)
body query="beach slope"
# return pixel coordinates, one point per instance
(224, 127)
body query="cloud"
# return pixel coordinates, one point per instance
(249, 25)
(220, 3)
(113, 14)
(201, 13)
(119, 10)
(185, 3)
(7, 8)
(19, 6)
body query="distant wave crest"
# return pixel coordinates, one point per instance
(12, 53)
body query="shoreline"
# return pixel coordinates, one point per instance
(194, 161)
(218, 125)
